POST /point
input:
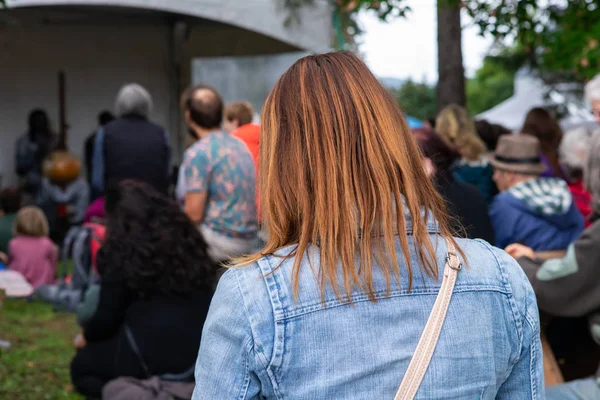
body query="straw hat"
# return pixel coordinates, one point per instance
(518, 153)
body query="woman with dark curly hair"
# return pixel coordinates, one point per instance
(156, 283)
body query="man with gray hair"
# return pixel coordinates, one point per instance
(131, 147)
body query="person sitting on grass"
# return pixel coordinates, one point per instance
(10, 202)
(31, 252)
(156, 282)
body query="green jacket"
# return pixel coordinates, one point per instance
(87, 308)
(6, 231)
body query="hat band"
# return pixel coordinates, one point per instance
(511, 160)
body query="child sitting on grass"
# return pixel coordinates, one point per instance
(31, 252)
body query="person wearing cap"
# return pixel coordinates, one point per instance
(537, 212)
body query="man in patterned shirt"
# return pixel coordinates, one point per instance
(220, 180)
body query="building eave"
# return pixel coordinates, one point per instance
(312, 33)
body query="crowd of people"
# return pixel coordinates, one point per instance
(310, 269)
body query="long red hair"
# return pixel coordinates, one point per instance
(339, 169)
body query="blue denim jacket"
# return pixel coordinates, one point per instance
(260, 343)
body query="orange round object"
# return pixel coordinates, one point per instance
(62, 167)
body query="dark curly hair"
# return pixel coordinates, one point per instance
(153, 243)
(10, 200)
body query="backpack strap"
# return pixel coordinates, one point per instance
(66, 248)
(429, 338)
(136, 350)
(185, 376)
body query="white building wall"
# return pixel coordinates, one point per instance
(97, 60)
(249, 78)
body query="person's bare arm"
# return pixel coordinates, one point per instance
(549, 255)
(195, 203)
(517, 251)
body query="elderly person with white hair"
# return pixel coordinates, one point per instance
(574, 154)
(592, 96)
(131, 147)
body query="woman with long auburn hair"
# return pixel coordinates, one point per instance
(541, 124)
(358, 249)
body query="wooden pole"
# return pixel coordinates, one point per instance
(62, 112)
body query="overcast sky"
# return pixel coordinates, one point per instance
(407, 47)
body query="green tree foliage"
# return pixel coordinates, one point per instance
(560, 37)
(346, 26)
(417, 99)
(490, 86)
(494, 81)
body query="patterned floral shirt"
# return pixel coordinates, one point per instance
(222, 166)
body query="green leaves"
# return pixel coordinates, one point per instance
(417, 99)
(559, 37)
(385, 9)
(346, 12)
(494, 81)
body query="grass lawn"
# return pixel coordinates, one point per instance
(36, 366)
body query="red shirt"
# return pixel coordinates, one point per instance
(250, 134)
(583, 199)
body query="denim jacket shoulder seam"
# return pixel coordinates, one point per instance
(535, 332)
(273, 289)
(249, 342)
(500, 265)
(517, 318)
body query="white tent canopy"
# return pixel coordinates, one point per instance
(531, 92)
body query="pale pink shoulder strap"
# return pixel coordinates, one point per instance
(429, 338)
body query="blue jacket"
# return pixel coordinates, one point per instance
(515, 221)
(259, 342)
